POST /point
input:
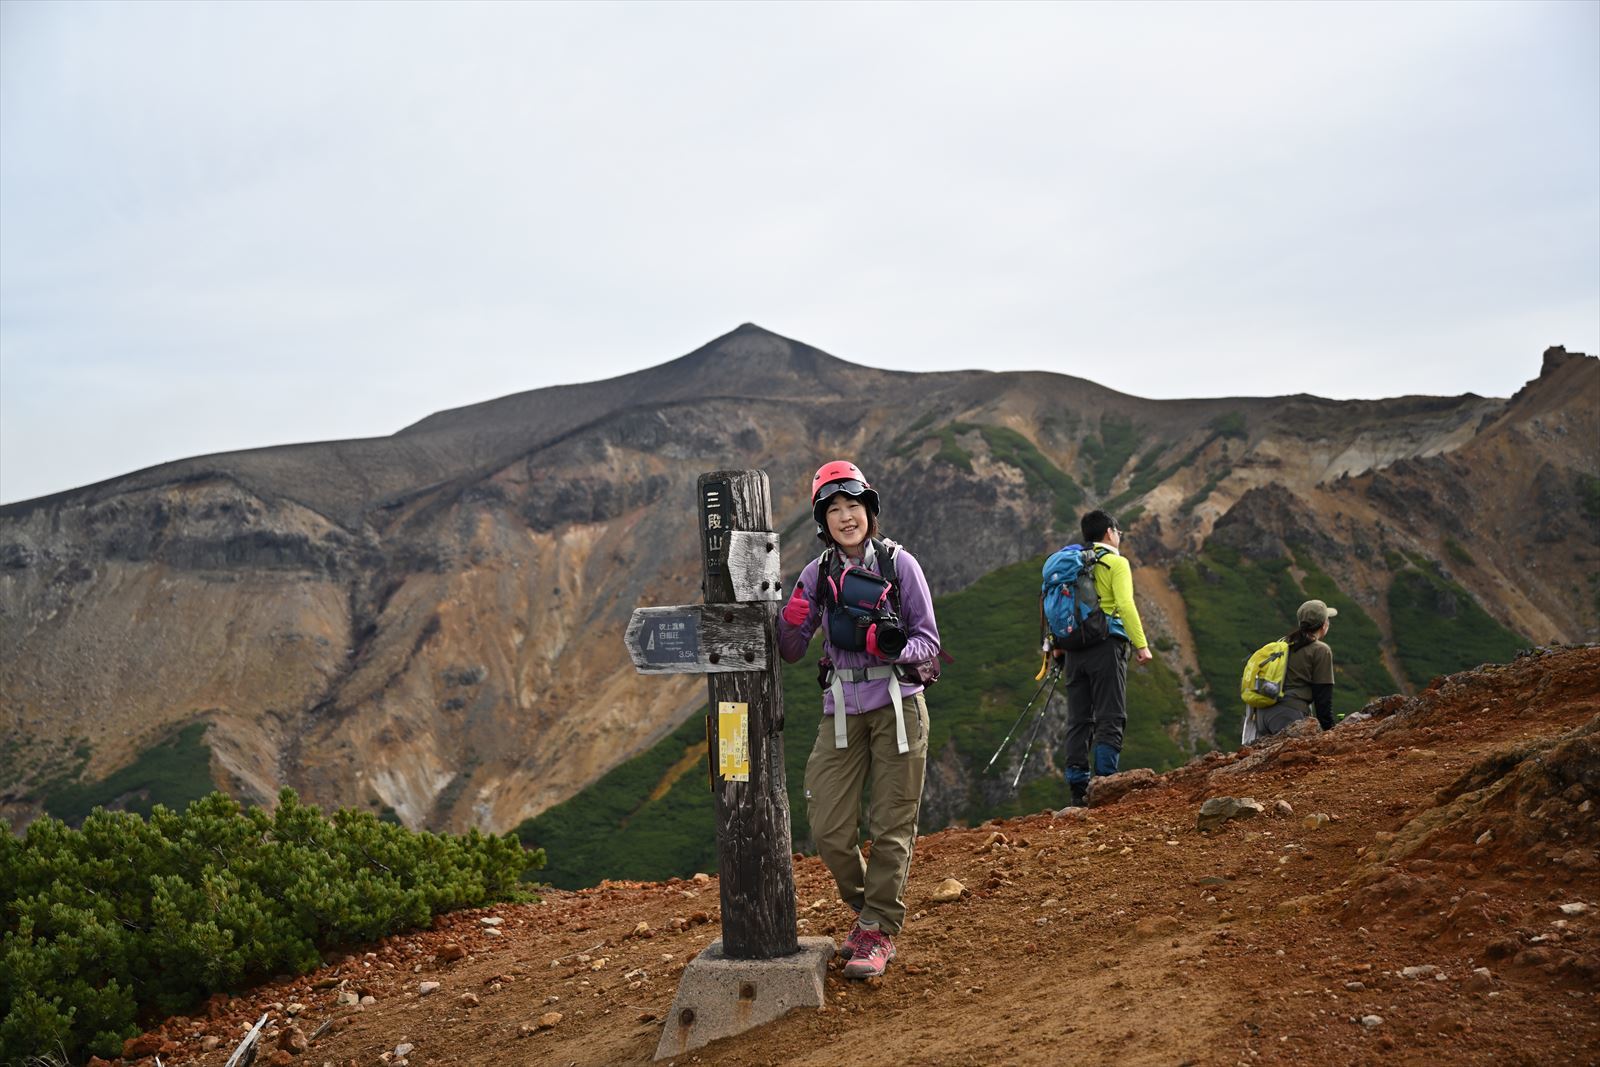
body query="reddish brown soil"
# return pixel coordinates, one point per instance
(1118, 935)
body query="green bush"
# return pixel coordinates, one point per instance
(1457, 552)
(1230, 424)
(175, 773)
(1199, 496)
(130, 916)
(1042, 477)
(1440, 629)
(1588, 487)
(1109, 452)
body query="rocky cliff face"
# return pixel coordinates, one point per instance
(431, 622)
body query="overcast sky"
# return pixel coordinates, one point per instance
(231, 225)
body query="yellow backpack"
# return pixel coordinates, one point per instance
(1262, 683)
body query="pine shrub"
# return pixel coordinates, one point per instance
(131, 919)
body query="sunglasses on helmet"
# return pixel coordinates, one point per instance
(849, 487)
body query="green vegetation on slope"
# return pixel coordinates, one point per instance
(129, 917)
(175, 773)
(1146, 475)
(1439, 628)
(613, 830)
(611, 827)
(1108, 452)
(1588, 495)
(1042, 477)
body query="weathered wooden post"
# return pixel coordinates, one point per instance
(758, 970)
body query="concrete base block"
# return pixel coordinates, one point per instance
(720, 997)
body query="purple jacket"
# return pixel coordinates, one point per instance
(916, 615)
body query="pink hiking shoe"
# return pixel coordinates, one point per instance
(852, 944)
(872, 955)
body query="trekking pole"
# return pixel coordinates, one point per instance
(1050, 681)
(1038, 721)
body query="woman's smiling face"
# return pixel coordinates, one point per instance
(847, 522)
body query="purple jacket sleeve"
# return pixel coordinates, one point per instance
(916, 610)
(794, 640)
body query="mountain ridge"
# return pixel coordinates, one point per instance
(438, 636)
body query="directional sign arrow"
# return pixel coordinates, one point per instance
(698, 638)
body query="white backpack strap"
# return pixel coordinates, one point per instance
(901, 744)
(841, 729)
(841, 737)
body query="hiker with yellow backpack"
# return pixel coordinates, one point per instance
(1286, 680)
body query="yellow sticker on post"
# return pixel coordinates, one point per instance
(733, 740)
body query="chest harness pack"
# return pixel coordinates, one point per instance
(853, 599)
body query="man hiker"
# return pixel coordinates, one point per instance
(1097, 676)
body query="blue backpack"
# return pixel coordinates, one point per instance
(1068, 599)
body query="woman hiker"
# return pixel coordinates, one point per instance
(1308, 675)
(874, 732)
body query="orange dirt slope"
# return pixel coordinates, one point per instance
(1460, 843)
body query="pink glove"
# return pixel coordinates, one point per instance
(872, 643)
(798, 609)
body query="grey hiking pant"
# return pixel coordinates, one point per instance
(835, 779)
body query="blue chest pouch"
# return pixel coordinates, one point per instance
(858, 599)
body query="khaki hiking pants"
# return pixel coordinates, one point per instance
(835, 778)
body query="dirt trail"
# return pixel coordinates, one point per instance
(1119, 934)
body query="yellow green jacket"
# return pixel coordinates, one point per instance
(1114, 583)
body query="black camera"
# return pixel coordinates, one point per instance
(891, 635)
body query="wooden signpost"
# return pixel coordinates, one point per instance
(732, 639)
(759, 969)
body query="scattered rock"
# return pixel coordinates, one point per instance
(947, 891)
(1422, 971)
(548, 1020)
(451, 952)
(1218, 810)
(1371, 1021)
(1284, 808)
(137, 1048)
(427, 987)
(403, 1049)
(1106, 789)
(368, 1001)
(1156, 926)
(468, 1000)
(293, 1040)
(1575, 908)
(1579, 859)
(698, 879)
(491, 920)
(1481, 979)
(1315, 821)
(1355, 987)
